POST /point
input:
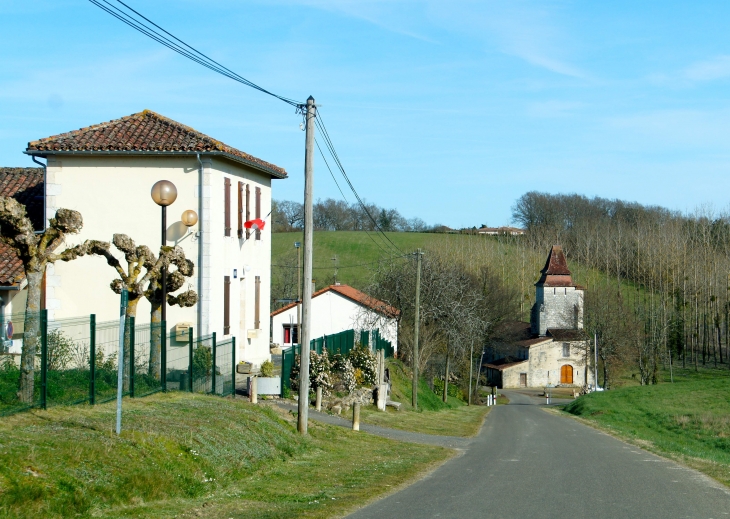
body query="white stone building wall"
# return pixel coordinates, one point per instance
(558, 307)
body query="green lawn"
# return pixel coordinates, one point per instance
(453, 418)
(183, 455)
(688, 420)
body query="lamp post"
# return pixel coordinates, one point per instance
(164, 193)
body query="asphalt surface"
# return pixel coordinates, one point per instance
(527, 463)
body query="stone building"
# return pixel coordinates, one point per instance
(552, 349)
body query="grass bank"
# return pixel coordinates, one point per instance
(453, 418)
(183, 455)
(688, 421)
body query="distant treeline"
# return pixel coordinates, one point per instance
(337, 215)
(678, 309)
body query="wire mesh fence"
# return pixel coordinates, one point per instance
(76, 360)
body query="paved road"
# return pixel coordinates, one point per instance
(527, 463)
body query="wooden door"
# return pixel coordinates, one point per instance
(523, 379)
(566, 374)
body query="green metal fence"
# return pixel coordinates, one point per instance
(339, 343)
(76, 361)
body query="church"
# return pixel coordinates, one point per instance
(552, 349)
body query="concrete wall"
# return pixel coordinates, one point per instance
(333, 313)
(113, 195)
(557, 307)
(546, 359)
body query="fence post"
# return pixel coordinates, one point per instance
(44, 359)
(190, 359)
(163, 356)
(131, 357)
(214, 352)
(92, 359)
(233, 366)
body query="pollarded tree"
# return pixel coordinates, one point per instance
(141, 279)
(36, 251)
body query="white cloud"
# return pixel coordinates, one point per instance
(531, 33)
(708, 70)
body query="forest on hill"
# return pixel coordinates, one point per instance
(657, 281)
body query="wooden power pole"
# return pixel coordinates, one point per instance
(417, 324)
(303, 407)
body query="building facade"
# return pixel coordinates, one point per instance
(106, 172)
(552, 350)
(336, 308)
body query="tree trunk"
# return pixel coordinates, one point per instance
(446, 377)
(131, 311)
(155, 339)
(30, 335)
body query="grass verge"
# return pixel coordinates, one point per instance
(688, 421)
(453, 418)
(183, 455)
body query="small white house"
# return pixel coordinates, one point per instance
(106, 172)
(336, 308)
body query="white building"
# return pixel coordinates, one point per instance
(106, 172)
(336, 308)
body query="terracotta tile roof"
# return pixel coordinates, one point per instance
(353, 294)
(555, 273)
(26, 186)
(505, 363)
(567, 335)
(144, 132)
(533, 342)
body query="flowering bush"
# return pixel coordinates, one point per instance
(319, 372)
(363, 359)
(343, 373)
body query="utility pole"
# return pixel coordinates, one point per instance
(595, 367)
(471, 367)
(298, 246)
(414, 396)
(303, 407)
(334, 260)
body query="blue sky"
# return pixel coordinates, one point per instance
(448, 111)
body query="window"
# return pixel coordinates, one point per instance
(227, 205)
(240, 209)
(226, 305)
(291, 334)
(257, 303)
(258, 210)
(566, 349)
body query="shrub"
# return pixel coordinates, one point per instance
(267, 369)
(60, 350)
(363, 359)
(202, 362)
(343, 373)
(453, 390)
(319, 372)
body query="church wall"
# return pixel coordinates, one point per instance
(558, 307)
(546, 359)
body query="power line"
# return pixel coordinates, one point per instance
(134, 19)
(181, 48)
(385, 260)
(343, 194)
(330, 146)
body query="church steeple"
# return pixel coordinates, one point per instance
(556, 273)
(558, 301)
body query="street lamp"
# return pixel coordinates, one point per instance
(164, 193)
